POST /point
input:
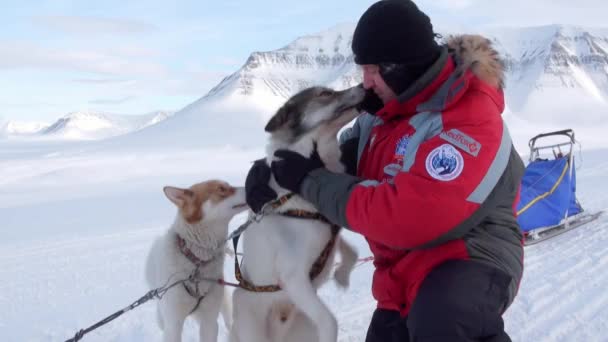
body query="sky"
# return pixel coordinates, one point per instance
(138, 56)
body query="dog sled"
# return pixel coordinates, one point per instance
(548, 205)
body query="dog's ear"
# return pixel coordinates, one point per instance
(280, 118)
(177, 196)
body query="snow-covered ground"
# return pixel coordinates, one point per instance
(77, 221)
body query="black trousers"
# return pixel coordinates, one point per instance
(459, 301)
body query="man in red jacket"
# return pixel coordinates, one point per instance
(434, 180)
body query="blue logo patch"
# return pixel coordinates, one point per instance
(391, 170)
(402, 145)
(444, 163)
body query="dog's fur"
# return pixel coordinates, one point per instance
(204, 211)
(281, 250)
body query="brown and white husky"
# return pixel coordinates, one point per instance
(196, 237)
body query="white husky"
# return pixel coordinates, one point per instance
(281, 250)
(196, 237)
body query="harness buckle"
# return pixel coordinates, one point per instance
(266, 209)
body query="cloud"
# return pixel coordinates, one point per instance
(193, 83)
(81, 25)
(452, 4)
(483, 13)
(14, 55)
(112, 101)
(101, 81)
(227, 61)
(30, 103)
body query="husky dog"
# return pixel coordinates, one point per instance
(280, 249)
(196, 238)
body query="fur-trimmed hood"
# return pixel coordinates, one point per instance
(475, 52)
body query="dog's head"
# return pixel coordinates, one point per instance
(208, 201)
(314, 107)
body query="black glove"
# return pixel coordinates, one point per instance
(257, 190)
(348, 156)
(291, 170)
(371, 102)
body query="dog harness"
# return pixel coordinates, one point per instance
(193, 291)
(317, 266)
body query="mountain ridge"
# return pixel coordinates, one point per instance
(84, 125)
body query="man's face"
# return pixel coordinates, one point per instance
(373, 80)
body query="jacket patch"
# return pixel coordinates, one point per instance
(402, 146)
(462, 141)
(444, 163)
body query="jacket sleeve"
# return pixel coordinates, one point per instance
(438, 199)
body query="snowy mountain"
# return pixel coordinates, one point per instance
(235, 111)
(555, 71)
(22, 128)
(549, 62)
(555, 75)
(322, 58)
(86, 125)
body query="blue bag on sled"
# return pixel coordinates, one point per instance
(548, 204)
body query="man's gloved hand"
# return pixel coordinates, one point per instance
(257, 190)
(371, 102)
(292, 168)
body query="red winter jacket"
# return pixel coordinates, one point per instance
(441, 177)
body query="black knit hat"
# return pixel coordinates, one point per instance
(396, 32)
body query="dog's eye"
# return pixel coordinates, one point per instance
(326, 93)
(225, 190)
